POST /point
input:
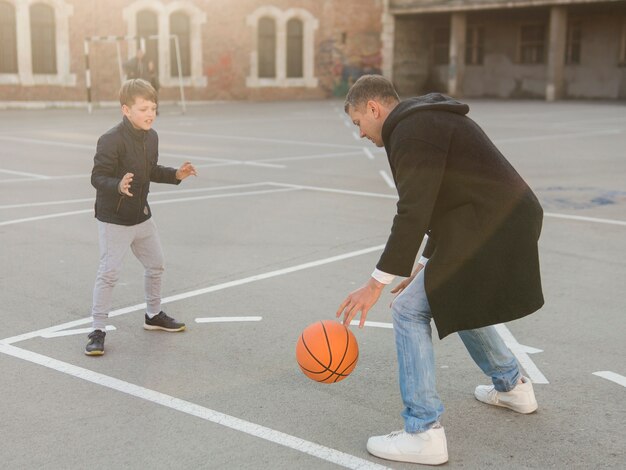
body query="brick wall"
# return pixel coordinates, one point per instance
(346, 44)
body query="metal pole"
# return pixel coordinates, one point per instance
(180, 73)
(87, 75)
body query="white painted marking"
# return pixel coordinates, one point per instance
(356, 135)
(152, 194)
(153, 203)
(311, 157)
(219, 161)
(585, 219)
(612, 376)
(47, 142)
(368, 153)
(324, 453)
(194, 293)
(387, 179)
(521, 353)
(226, 319)
(374, 324)
(557, 136)
(257, 139)
(23, 173)
(348, 124)
(78, 331)
(338, 191)
(43, 217)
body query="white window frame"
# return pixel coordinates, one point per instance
(310, 24)
(163, 11)
(25, 75)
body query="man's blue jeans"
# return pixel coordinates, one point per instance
(416, 361)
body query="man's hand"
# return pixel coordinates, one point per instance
(362, 300)
(124, 186)
(185, 170)
(400, 287)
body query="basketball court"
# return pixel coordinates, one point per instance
(289, 213)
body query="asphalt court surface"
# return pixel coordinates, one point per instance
(289, 214)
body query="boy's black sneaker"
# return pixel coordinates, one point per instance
(95, 346)
(162, 322)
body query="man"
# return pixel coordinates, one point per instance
(480, 265)
(135, 67)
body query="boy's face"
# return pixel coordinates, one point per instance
(141, 113)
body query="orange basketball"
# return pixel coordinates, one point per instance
(327, 351)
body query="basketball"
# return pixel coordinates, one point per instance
(327, 351)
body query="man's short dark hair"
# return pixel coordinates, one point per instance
(370, 87)
(137, 87)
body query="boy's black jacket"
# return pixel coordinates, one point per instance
(124, 149)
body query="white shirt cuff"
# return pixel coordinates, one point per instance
(423, 261)
(383, 277)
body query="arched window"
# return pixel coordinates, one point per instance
(43, 39)
(8, 41)
(295, 51)
(147, 26)
(267, 48)
(180, 26)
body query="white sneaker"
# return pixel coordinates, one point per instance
(520, 399)
(428, 448)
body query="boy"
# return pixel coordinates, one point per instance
(124, 164)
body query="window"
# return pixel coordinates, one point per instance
(574, 40)
(532, 44)
(43, 39)
(267, 48)
(441, 46)
(474, 45)
(295, 51)
(8, 41)
(147, 26)
(180, 26)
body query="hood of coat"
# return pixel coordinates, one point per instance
(432, 101)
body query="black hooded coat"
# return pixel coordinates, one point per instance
(482, 219)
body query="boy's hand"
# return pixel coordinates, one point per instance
(124, 186)
(185, 170)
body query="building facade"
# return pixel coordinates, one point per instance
(66, 52)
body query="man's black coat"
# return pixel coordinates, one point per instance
(482, 219)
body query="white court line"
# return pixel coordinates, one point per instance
(338, 191)
(153, 203)
(356, 135)
(220, 161)
(612, 376)
(48, 142)
(368, 153)
(387, 179)
(585, 219)
(325, 453)
(23, 173)
(78, 331)
(374, 324)
(521, 353)
(257, 139)
(557, 136)
(197, 292)
(155, 193)
(226, 319)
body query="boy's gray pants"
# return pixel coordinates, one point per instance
(115, 240)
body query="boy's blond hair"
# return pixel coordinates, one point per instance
(137, 87)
